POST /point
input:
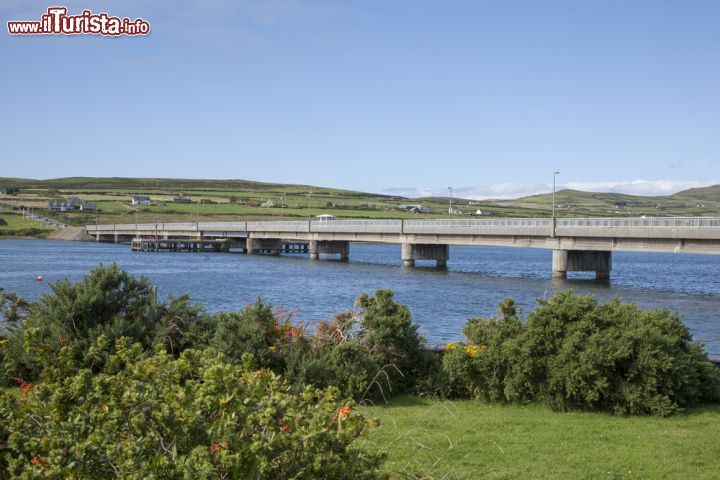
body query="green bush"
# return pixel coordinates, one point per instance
(389, 334)
(108, 303)
(197, 416)
(574, 353)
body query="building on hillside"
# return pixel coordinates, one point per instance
(268, 204)
(140, 200)
(480, 212)
(181, 199)
(3, 190)
(325, 217)
(454, 211)
(72, 204)
(409, 207)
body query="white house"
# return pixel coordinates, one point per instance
(268, 204)
(325, 218)
(454, 211)
(140, 200)
(480, 212)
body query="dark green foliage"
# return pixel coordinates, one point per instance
(108, 303)
(347, 366)
(570, 353)
(13, 310)
(181, 325)
(388, 332)
(574, 353)
(252, 331)
(352, 369)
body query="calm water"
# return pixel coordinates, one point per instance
(477, 279)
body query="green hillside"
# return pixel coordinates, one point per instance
(231, 200)
(693, 202)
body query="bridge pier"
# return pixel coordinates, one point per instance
(325, 247)
(263, 245)
(564, 261)
(418, 251)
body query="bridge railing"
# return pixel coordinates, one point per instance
(494, 222)
(539, 225)
(652, 222)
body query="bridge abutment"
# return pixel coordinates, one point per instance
(564, 261)
(418, 251)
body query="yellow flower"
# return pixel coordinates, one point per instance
(3, 342)
(271, 348)
(474, 350)
(450, 346)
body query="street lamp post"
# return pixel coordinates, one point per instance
(555, 174)
(309, 212)
(450, 211)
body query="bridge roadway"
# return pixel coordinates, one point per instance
(578, 244)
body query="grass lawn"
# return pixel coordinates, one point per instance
(17, 225)
(468, 440)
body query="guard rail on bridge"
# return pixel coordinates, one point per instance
(414, 226)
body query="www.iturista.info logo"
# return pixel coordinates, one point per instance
(57, 22)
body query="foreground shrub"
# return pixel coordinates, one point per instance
(388, 332)
(197, 416)
(370, 353)
(108, 303)
(574, 353)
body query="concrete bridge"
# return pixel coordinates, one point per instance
(578, 244)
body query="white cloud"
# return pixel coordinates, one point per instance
(515, 190)
(640, 187)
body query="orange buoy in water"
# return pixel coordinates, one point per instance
(39, 278)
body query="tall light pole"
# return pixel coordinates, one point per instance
(309, 216)
(450, 211)
(555, 174)
(282, 206)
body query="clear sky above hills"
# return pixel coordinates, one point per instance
(379, 95)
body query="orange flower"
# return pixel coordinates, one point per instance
(285, 427)
(25, 387)
(214, 447)
(344, 412)
(259, 372)
(38, 460)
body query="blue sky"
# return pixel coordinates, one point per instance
(394, 96)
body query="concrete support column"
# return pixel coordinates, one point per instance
(406, 255)
(559, 263)
(116, 238)
(97, 237)
(564, 261)
(314, 250)
(412, 252)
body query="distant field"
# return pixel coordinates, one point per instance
(469, 440)
(18, 226)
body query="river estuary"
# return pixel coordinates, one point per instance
(476, 280)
